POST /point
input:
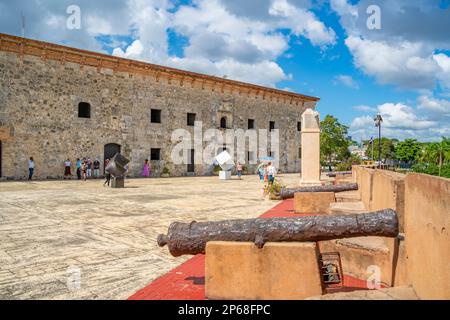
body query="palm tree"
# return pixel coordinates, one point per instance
(437, 153)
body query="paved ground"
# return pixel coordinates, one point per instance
(54, 233)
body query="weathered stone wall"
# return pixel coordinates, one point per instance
(39, 102)
(427, 225)
(388, 192)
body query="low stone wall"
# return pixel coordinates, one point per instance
(388, 192)
(363, 176)
(427, 226)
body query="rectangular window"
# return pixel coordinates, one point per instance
(251, 124)
(84, 110)
(299, 126)
(191, 119)
(300, 153)
(272, 125)
(155, 154)
(156, 116)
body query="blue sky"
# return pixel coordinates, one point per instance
(315, 47)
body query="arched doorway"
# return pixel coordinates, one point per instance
(223, 123)
(111, 150)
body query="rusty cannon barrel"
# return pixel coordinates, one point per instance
(191, 238)
(288, 193)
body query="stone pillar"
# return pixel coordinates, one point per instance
(310, 148)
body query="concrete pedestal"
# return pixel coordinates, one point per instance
(313, 202)
(118, 183)
(225, 175)
(279, 271)
(310, 149)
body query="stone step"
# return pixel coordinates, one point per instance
(348, 196)
(396, 293)
(347, 208)
(359, 254)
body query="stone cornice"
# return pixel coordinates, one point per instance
(23, 46)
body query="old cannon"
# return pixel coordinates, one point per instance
(191, 238)
(288, 193)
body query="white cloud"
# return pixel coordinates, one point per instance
(365, 108)
(303, 23)
(409, 65)
(343, 8)
(436, 107)
(133, 51)
(346, 81)
(361, 123)
(402, 121)
(403, 52)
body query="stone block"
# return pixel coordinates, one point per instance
(313, 202)
(279, 271)
(117, 183)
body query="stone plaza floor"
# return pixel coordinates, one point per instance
(53, 232)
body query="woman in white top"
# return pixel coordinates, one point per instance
(67, 169)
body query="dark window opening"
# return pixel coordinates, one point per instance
(300, 153)
(251, 124)
(223, 123)
(156, 116)
(299, 126)
(84, 110)
(191, 119)
(155, 155)
(272, 125)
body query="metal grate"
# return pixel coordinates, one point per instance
(331, 270)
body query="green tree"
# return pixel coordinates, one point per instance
(407, 150)
(437, 153)
(387, 149)
(334, 141)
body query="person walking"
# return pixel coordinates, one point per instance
(107, 174)
(84, 170)
(67, 169)
(96, 168)
(239, 170)
(31, 167)
(89, 168)
(79, 169)
(261, 172)
(266, 173)
(146, 169)
(272, 172)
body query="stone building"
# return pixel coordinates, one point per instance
(58, 102)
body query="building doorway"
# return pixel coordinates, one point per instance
(191, 163)
(111, 150)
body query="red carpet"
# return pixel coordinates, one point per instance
(187, 282)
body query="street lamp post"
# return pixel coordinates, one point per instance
(378, 120)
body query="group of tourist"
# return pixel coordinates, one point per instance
(267, 173)
(85, 169)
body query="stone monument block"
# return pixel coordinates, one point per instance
(310, 148)
(313, 202)
(279, 271)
